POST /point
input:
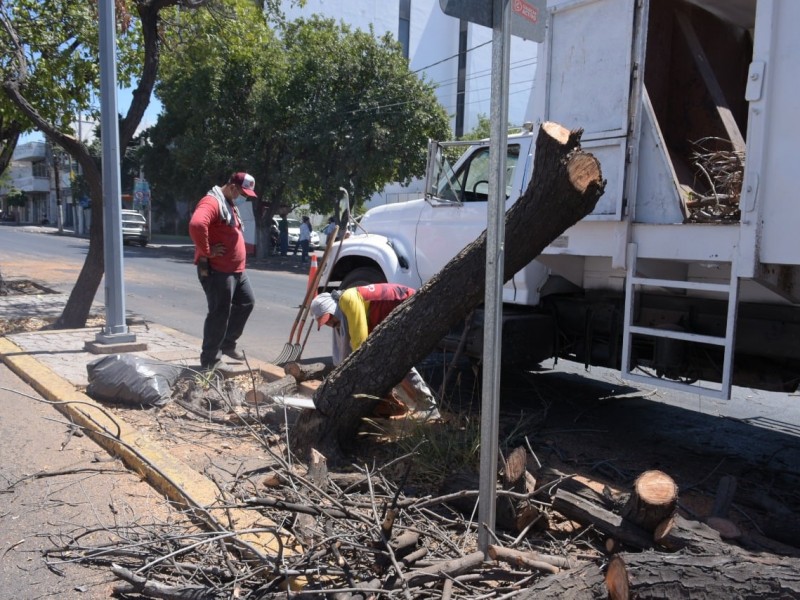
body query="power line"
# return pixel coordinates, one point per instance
(438, 62)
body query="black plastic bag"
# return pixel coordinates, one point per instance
(131, 380)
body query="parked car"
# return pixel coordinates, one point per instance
(134, 228)
(294, 233)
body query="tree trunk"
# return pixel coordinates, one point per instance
(677, 576)
(566, 186)
(79, 303)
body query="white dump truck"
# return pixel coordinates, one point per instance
(687, 273)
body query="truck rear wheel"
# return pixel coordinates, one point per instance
(362, 276)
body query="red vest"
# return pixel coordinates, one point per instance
(382, 298)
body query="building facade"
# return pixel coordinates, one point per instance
(453, 55)
(34, 171)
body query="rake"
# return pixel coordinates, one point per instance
(292, 350)
(324, 286)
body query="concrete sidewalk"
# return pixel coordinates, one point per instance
(54, 363)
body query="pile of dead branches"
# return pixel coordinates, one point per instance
(370, 531)
(721, 172)
(361, 534)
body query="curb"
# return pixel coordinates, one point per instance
(258, 537)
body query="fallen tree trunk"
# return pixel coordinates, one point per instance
(679, 576)
(566, 186)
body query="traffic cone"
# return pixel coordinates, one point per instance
(312, 274)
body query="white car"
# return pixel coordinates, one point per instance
(134, 228)
(294, 233)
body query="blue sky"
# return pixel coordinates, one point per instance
(124, 97)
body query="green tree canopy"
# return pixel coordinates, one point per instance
(49, 70)
(317, 108)
(360, 117)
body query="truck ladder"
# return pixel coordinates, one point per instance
(731, 290)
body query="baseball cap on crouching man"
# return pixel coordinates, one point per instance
(244, 181)
(323, 307)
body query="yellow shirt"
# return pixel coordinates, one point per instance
(355, 309)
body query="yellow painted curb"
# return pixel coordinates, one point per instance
(170, 476)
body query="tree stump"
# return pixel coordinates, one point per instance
(565, 188)
(653, 500)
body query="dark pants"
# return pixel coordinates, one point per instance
(304, 244)
(230, 302)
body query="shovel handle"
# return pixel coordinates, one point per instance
(312, 288)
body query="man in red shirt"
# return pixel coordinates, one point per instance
(218, 236)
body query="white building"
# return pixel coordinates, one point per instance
(33, 172)
(453, 55)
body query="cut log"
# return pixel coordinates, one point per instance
(565, 188)
(680, 577)
(586, 513)
(514, 467)
(678, 533)
(516, 514)
(617, 579)
(654, 499)
(285, 386)
(305, 372)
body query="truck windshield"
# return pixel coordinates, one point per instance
(471, 182)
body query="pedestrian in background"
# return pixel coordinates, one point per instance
(218, 235)
(330, 227)
(353, 314)
(283, 233)
(304, 239)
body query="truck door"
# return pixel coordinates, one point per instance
(455, 211)
(587, 78)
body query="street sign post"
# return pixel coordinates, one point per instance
(526, 19)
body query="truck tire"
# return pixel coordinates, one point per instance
(362, 276)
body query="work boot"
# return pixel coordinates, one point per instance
(233, 353)
(212, 366)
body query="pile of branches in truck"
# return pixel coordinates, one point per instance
(720, 173)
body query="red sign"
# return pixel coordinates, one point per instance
(526, 10)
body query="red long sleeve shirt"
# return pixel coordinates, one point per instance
(207, 228)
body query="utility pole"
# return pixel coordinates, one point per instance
(116, 330)
(59, 204)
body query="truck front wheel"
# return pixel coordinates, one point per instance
(362, 276)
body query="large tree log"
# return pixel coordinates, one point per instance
(566, 186)
(680, 576)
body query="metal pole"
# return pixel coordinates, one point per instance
(495, 259)
(116, 330)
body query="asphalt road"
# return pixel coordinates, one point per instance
(161, 286)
